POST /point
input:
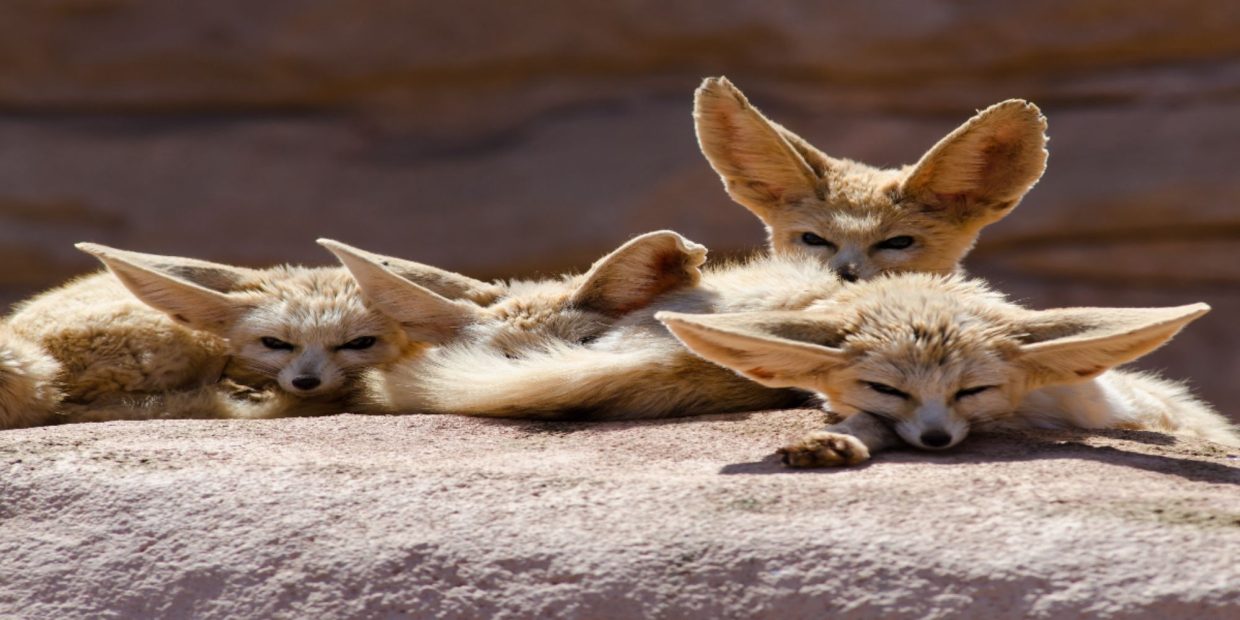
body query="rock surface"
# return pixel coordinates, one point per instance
(402, 517)
(503, 139)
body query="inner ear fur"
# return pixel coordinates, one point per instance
(426, 316)
(762, 164)
(1074, 344)
(446, 283)
(190, 291)
(776, 349)
(638, 272)
(980, 171)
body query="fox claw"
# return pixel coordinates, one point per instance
(824, 449)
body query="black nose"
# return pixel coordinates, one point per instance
(936, 438)
(306, 382)
(847, 274)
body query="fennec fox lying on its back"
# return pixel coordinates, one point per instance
(922, 359)
(152, 337)
(862, 220)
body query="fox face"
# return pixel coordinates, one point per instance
(311, 342)
(865, 221)
(539, 314)
(309, 330)
(932, 357)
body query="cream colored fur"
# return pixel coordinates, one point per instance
(860, 214)
(627, 366)
(921, 359)
(155, 336)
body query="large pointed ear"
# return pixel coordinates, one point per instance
(776, 349)
(192, 292)
(441, 281)
(980, 171)
(763, 165)
(1073, 344)
(636, 273)
(425, 315)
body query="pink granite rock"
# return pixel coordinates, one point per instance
(418, 516)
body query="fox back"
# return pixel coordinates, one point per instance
(862, 220)
(105, 340)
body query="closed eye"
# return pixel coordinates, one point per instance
(810, 238)
(895, 243)
(885, 418)
(967, 392)
(883, 388)
(357, 344)
(276, 344)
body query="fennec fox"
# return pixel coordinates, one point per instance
(154, 335)
(920, 359)
(481, 345)
(862, 220)
(573, 348)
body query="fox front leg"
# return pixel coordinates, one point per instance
(850, 442)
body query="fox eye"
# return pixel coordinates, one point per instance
(357, 344)
(965, 393)
(276, 343)
(810, 238)
(894, 243)
(883, 388)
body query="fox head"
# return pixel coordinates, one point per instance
(530, 315)
(864, 221)
(931, 356)
(307, 329)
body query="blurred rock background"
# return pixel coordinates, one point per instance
(502, 138)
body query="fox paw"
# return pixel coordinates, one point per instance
(244, 393)
(825, 449)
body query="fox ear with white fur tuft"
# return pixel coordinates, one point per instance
(1074, 344)
(980, 171)
(193, 292)
(425, 315)
(776, 349)
(636, 273)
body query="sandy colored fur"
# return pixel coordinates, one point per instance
(1147, 402)
(972, 178)
(632, 369)
(102, 341)
(931, 337)
(29, 392)
(90, 350)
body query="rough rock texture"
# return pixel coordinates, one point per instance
(398, 517)
(501, 138)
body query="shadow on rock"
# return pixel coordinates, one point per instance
(1014, 446)
(568, 425)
